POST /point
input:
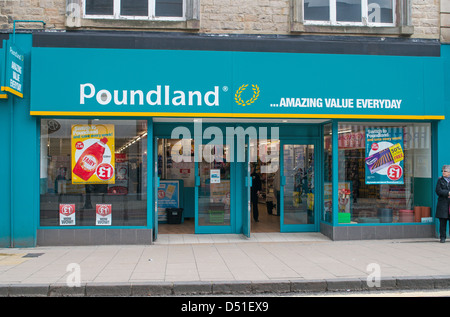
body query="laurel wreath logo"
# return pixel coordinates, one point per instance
(238, 99)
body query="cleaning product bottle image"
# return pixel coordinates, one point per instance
(90, 159)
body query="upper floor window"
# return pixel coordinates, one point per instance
(349, 12)
(135, 9)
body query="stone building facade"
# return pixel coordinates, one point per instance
(422, 18)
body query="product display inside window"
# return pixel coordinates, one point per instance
(384, 173)
(327, 174)
(93, 172)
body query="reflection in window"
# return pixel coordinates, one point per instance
(137, 8)
(100, 7)
(315, 10)
(169, 8)
(348, 10)
(134, 8)
(380, 11)
(109, 186)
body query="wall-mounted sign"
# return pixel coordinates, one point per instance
(14, 71)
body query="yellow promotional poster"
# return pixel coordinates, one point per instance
(93, 154)
(396, 152)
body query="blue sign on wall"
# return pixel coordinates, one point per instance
(14, 70)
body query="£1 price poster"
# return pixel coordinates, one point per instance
(66, 214)
(103, 214)
(384, 155)
(93, 154)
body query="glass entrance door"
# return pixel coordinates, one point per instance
(213, 191)
(298, 186)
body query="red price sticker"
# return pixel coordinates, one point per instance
(79, 145)
(105, 171)
(375, 146)
(394, 172)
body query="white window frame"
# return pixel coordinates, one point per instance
(364, 17)
(150, 17)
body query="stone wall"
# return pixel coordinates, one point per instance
(445, 21)
(229, 16)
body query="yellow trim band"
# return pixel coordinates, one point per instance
(3, 96)
(232, 115)
(14, 92)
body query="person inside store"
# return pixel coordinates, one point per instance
(276, 187)
(442, 208)
(255, 192)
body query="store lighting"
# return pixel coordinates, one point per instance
(131, 142)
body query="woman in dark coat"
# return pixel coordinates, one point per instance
(442, 208)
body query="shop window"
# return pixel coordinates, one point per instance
(384, 173)
(93, 173)
(352, 16)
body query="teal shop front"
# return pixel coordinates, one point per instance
(165, 130)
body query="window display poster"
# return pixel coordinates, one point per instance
(384, 157)
(215, 176)
(103, 214)
(93, 154)
(66, 214)
(168, 194)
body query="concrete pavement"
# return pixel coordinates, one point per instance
(226, 264)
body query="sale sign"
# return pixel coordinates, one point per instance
(93, 154)
(384, 155)
(67, 214)
(103, 214)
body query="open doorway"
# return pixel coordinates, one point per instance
(265, 192)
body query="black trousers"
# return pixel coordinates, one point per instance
(278, 202)
(254, 200)
(443, 227)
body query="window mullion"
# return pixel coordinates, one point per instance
(116, 9)
(333, 11)
(364, 13)
(151, 8)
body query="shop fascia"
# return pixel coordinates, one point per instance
(162, 95)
